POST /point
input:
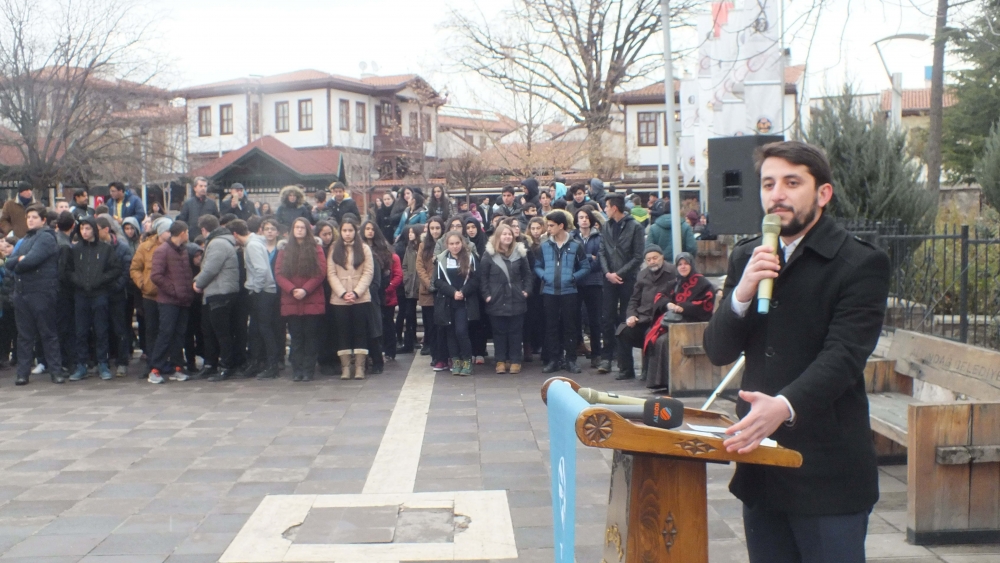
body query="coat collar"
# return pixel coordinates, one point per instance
(825, 238)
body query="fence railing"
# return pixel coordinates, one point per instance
(944, 281)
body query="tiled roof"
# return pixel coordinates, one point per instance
(918, 100)
(475, 120)
(300, 80)
(306, 162)
(654, 92)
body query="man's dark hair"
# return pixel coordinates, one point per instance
(79, 192)
(51, 216)
(546, 193)
(238, 227)
(578, 188)
(529, 204)
(102, 223)
(616, 200)
(508, 190)
(37, 209)
(65, 222)
(208, 222)
(226, 219)
(559, 218)
(102, 209)
(178, 227)
(320, 196)
(117, 185)
(254, 223)
(559, 203)
(797, 152)
(340, 186)
(637, 199)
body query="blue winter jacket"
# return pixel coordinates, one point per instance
(131, 206)
(561, 269)
(418, 218)
(39, 271)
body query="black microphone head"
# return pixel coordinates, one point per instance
(663, 412)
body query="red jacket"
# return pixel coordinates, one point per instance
(171, 273)
(395, 280)
(314, 303)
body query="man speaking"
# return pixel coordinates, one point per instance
(803, 385)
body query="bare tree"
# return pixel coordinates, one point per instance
(74, 72)
(573, 53)
(466, 172)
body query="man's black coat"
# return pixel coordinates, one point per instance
(825, 318)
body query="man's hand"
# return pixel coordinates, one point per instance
(766, 414)
(613, 278)
(233, 203)
(119, 219)
(674, 308)
(195, 286)
(763, 264)
(19, 258)
(630, 322)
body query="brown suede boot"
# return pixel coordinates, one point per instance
(515, 368)
(501, 367)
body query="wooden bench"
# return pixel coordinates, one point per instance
(691, 373)
(938, 402)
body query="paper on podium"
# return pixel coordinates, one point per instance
(720, 432)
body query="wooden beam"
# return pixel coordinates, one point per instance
(961, 455)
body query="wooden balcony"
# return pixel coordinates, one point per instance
(397, 145)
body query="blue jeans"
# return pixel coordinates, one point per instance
(90, 312)
(120, 327)
(459, 344)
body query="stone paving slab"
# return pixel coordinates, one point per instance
(125, 471)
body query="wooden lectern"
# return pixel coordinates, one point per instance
(658, 504)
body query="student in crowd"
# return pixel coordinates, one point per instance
(350, 270)
(92, 268)
(8, 328)
(392, 277)
(435, 345)
(415, 212)
(588, 234)
(300, 271)
(411, 289)
(506, 206)
(561, 265)
(621, 254)
(263, 297)
(505, 281)
(544, 203)
(383, 216)
(439, 203)
(194, 337)
(81, 205)
(339, 204)
(326, 356)
(293, 205)
(534, 319)
(140, 271)
(457, 301)
(197, 206)
(118, 296)
(219, 283)
(174, 281)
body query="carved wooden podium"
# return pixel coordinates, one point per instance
(658, 504)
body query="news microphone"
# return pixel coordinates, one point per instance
(594, 397)
(662, 412)
(771, 227)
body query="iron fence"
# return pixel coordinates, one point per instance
(944, 282)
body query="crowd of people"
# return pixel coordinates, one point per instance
(231, 289)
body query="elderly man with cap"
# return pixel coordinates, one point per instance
(141, 272)
(657, 277)
(12, 218)
(238, 203)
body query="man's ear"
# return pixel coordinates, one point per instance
(824, 194)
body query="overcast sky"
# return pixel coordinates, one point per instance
(211, 40)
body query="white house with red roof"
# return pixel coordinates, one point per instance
(351, 126)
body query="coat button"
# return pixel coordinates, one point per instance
(769, 352)
(774, 304)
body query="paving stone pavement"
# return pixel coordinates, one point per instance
(125, 471)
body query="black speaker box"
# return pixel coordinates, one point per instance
(733, 185)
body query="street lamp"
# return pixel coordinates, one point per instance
(896, 114)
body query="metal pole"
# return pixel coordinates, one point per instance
(963, 298)
(668, 90)
(659, 163)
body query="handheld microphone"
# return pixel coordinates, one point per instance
(771, 227)
(662, 412)
(594, 397)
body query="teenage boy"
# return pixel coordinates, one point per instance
(561, 265)
(92, 269)
(263, 301)
(219, 282)
(174, 283)
(621, 254)
(118, 298)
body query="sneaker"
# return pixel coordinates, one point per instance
(104, 371)
(425, 351)
(479, 360)
(466, 367)
(154, 376)
(122, 371)
(79, 374)
(515, 369)
(501, 367)
(604, 366)
(40, 368)
(179, 375)
(595, 362)
(440, 366)
(456, 366)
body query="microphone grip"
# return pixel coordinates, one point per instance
(766, 286)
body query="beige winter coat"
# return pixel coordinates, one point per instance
(347, 279)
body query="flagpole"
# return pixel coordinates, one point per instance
(668, 91)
